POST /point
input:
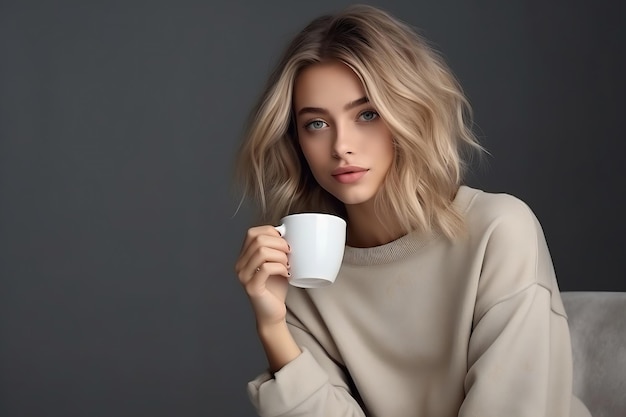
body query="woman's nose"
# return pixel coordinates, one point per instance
(343, 143)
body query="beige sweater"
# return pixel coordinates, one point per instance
(425, 327)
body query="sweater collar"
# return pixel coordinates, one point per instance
(406, 245)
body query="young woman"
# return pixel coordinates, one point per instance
(446, 303)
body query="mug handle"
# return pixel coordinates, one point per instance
(282, 229)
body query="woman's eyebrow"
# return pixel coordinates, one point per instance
(348, 106)
(356, 103)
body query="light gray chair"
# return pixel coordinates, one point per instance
(597, 322)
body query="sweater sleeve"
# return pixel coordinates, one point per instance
(519, 356)
(312, 385)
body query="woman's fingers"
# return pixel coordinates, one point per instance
(261, 244)
(263, 271)
(257, 283)
(259, 232)
(259, 259)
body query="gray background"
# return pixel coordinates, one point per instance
(118, 125)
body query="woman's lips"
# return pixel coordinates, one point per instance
(348, 175)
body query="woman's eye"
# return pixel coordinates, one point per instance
(316, 125)
(368, 115)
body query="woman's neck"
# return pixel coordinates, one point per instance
(366, 229)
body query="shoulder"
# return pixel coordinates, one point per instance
(498, 216)
(486, 208)
(510, 243)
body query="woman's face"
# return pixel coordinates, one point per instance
(347, 145)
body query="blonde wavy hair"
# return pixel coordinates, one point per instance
(411, 88)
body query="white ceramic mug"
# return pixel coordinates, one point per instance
(317, 242)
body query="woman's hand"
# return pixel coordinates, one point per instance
(263, 271)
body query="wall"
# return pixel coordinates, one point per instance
(118, 124)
